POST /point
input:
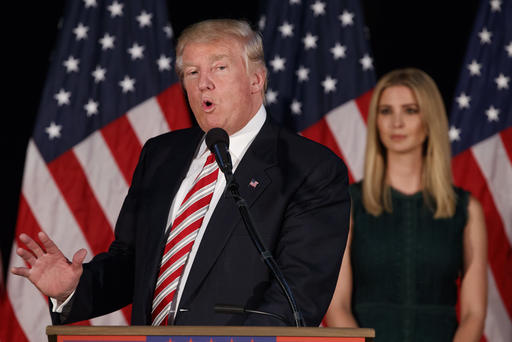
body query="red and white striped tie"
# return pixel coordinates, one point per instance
(181, 238)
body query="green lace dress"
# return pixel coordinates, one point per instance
(405, 266)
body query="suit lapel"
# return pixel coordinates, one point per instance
(167, 177)
(260, 156)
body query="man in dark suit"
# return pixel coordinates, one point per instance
(296, 191)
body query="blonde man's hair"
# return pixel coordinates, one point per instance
(438, 192)
(219, 29)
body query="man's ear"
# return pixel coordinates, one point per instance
(258, 77)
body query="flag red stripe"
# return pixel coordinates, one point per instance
(321, 133)
(10, 329)
(124, 145)
(467, 175)
(175, 109)
(72, 182)
(363, 104)
(506, 137)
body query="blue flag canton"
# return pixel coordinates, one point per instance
(110, 56)
(483, 99)
(318, 58)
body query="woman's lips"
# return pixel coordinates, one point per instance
(398, 137)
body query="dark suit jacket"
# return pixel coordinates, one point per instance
(300, 206)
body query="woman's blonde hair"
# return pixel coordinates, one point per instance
(436, 175)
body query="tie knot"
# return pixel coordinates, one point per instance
(210, 159)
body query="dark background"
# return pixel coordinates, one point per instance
(430, 35)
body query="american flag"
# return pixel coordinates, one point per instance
(481, 136)
(111, 86)
(320, 73)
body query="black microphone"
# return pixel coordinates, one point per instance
(217, 141)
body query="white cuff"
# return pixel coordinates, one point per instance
(59, 308)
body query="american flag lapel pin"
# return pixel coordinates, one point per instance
(253, 183)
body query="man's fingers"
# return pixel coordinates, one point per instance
(79, 257)
(32, 245)
(21, 271)
(26, 256)
(48, 244)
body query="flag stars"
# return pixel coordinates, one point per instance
(278, 63)
(53, 130)
(286, 30)
(62, 97)
(454, 134)
(495, 5)
(366, 62)
(128, 84)
(90, 3)
(71, 64)
(492, 114)
(485, 36)
(309, 41)
(329, 84)
(463, 100)
(271, 96)
(338, 51)
(302, 74)
(116, 9)
(262, 22)
(99, 74)
(144, 19)
(136, 51)
(168, 31)
(508, 48)
(91, 107)
(318, 8)
(80, 31)
(164, 63)
(474, 68)
(502, 81)
(346, 18)
(296, 107)
(107, 42)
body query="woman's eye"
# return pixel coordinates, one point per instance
(412, 110)
(384, 111)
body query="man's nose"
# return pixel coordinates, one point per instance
(205, 82)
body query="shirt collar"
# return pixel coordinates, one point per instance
(239, 142)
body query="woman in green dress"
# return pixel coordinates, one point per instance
(413, 234)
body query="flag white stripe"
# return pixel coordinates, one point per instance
(53, 216)
(349, 130)
(49, 207)
(498, 326)
(147, 120)
(492, 158)
(29, 306)
(103, 174)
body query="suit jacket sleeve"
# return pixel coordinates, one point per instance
(312, 240)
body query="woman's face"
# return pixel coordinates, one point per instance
(399, 121)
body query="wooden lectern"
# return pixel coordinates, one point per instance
(206, 334)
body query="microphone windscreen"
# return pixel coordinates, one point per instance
(215, 136)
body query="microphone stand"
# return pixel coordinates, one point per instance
(232, 187)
